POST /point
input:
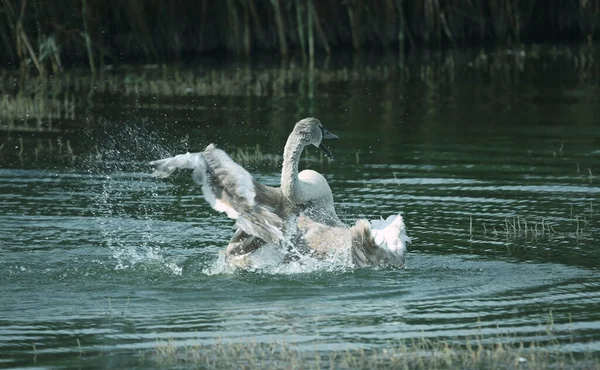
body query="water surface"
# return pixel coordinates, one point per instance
(497, 177)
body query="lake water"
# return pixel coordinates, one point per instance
(494, 161)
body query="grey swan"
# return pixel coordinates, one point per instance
(301, 211)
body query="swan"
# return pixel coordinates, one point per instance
(301, 211)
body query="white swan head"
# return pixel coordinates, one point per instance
(311, 131)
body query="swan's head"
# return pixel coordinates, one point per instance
(311, 131)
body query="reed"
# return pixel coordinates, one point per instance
(524, 229)
(110, 31)
(256, 157)
(519, 227)
(501, 352)
(435, 70)
(88, 39)
(35, 113)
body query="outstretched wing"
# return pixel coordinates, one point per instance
(165, 167)
(229, 188)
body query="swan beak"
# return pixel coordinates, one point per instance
(327, 136)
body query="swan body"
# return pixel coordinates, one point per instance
(374, 243)
(300, 210)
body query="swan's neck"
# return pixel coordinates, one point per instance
(289, 174)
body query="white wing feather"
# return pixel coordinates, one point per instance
(229, 188)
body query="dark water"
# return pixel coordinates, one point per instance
(497, 173)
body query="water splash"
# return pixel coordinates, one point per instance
(124, 218)
(272, 260)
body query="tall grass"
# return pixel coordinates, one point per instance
(44, 35)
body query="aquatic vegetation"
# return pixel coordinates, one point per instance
(518, 227)
(422, 353)
(72, 32)
(499, 351)
(256, 156)
(523, 228)
(35, 113)
(62, 94)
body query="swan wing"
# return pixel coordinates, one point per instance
(379, 242)
(229, 188)
(241, 243)
(165, 167)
